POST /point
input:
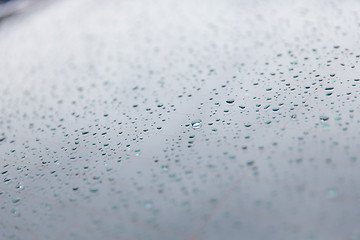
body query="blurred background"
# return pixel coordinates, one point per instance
(11, 7)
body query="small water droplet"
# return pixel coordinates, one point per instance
(230, 101)
(332, 193)
(324, 118)
(148, 204)
(15, 212)
(196, 124)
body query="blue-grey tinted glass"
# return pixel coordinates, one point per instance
(196, 120)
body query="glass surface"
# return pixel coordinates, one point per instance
(181, 120)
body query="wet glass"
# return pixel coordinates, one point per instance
(180, 120)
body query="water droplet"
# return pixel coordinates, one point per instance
(332, 193)
(94, 190)
(324, 118)
(148, 204)
(15, 212)
(196, 124)
(230, 101)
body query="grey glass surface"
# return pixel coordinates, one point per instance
(181, 120)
